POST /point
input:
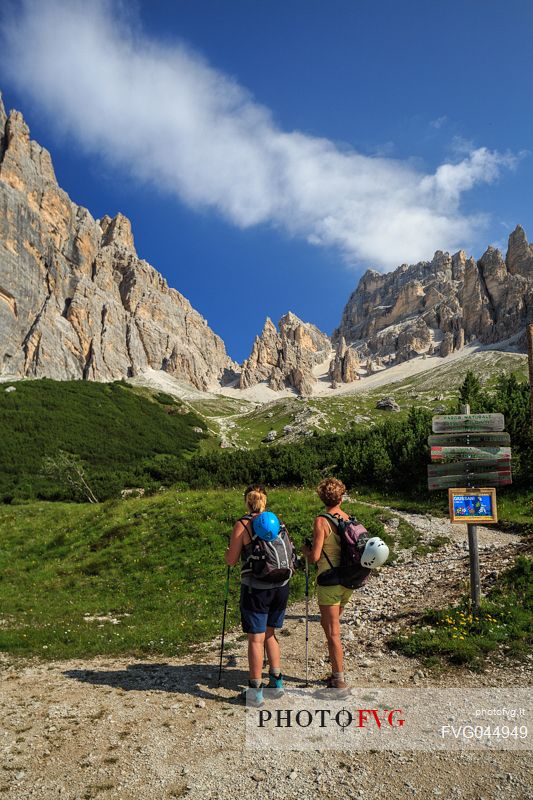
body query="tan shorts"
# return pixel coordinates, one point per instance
(333, 595)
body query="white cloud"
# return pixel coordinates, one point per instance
(439, 122)
(165, 115)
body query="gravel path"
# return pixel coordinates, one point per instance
(125, 728)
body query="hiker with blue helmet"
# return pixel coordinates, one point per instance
(267, 558)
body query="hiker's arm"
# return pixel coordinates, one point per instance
(233, 553)
(319, 534)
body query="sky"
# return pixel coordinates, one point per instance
(268, 152)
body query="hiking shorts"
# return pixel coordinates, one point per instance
(263, 607)
(333, 595)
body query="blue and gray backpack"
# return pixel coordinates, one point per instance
(271, 561)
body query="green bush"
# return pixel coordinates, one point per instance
(119, 436)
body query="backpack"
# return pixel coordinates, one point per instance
(353, 537)
(270, 561)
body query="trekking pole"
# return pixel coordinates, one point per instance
(306, 621)
(226, 594)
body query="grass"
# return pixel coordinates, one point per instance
(457, 635)
(151, 567)
(431, 389)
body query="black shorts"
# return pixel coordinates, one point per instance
(263, 607)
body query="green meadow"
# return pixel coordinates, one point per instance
(152, 566)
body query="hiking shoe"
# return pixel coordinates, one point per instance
(275, 686)
(335, 683)
(340, 689)
(253, 697)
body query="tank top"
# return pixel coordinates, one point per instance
(332, 548)
(247, 579)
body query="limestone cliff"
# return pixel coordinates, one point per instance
(75, 299)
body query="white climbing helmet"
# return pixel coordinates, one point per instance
(375, 553)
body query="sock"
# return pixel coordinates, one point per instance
(276, 671)
(339, 676)
(255, 683)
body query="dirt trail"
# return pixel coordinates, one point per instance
(140, 729)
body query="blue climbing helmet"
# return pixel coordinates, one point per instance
(266, 526)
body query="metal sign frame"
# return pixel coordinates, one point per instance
(470, 519)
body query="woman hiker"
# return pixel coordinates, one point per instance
(262, 603)
(331, 599)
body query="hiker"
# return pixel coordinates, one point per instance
(264, 588)
(331, 599)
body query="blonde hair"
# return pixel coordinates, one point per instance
(331, 491)
(256, 499)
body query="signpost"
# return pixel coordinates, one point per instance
(470, 453)
(452, 423)
(475, 467)
(470, 481)
(470, 449)
(479, 439)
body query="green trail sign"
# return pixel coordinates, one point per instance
(470, 481)
(481, 439)
(452, 423)
(469, 453)
(469, 468)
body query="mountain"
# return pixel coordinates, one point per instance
(75, 299)
(438, 306)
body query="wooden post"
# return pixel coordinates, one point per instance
(473, 552)
(530, 358)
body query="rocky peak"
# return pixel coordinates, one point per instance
(519, 257)
(344, 367)
(3, 120)
(436, 307)
(117, 231)
(25, 165)
(458, 265)
(284, 357)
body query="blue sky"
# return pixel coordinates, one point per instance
(268, 152)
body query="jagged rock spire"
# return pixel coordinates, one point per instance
(519, 259)
(285, 358)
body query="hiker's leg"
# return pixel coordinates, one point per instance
(276, 615)
(329, 619)
(272, 649)
(256, 643)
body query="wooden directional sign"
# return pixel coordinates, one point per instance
(469, 467)
(487, 478)
(453, 423)
(469, 453)
(469, 449)
(470, 439)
